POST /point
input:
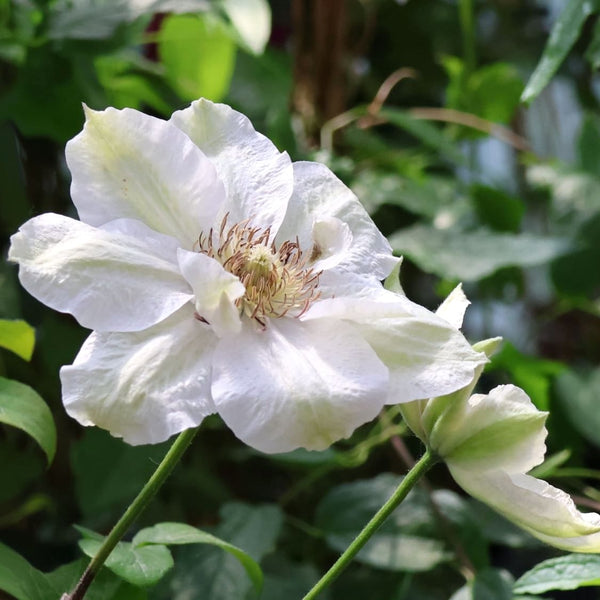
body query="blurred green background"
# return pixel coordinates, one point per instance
(417, 106)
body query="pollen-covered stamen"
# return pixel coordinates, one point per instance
(277, 280)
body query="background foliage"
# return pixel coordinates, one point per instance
(471, 132)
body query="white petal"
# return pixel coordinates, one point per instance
(499, 430)
(258, 178)
(331, 241)
(319, 194)
(545, 511)
(453, 308)
(215, 291)
(145, 386)
(426, 356)
(121, 277)
(126, 164)
(297, 384)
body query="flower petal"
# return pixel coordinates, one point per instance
(426, 356)
(258, 178)
(121, 277)
(297, 384)
(332, 240)
(126, 164)
(145, 386)
(319, 194)
(499, 430)
(541, 509)
(215, 291)
(453, 308)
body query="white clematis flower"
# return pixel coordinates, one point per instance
(489, 442)
(220, 277)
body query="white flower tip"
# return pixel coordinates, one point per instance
(489, 346)
(392, 281)
(453, 308)
(88, 112)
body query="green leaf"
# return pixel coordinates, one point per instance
(423, 130)
(20, 579)
(562, 38)
(20, 468)
(399, 545)
(578, 395)
(251, 20)
(588, 144)
(491, 92)
(108, 472)
(32, 505)
(462, 526)
(180, 533)
(592, 53)
(106, 585)
(497, 209)
(499, 530)
(429, 197)
(563, 573)
(472, 255)
(575, 195)
(287, 579)
(532, 374)
(488, 584)
(99, 19)
(203, 571)
(18, 337)
(139, 565)
(22, 407)
(198, 56)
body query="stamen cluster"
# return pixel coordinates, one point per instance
(278, 281)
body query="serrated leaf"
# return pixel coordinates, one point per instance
(22, 407)
(399, 544)
(563, 36)
(180, 533)
(472, 255)
(19, 579)
(18, 337)
(198, 55)
(139, 565)
(251, 20)
(563, 573)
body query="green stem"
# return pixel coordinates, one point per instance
(409, 481)
(133, 512)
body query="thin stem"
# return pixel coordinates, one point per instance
(409, 481)
(133, 512)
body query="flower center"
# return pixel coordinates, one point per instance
(278, 281)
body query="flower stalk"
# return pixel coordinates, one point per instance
(141, 501)
(412, 477)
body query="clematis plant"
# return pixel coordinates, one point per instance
(220, 277)
(489, 442)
